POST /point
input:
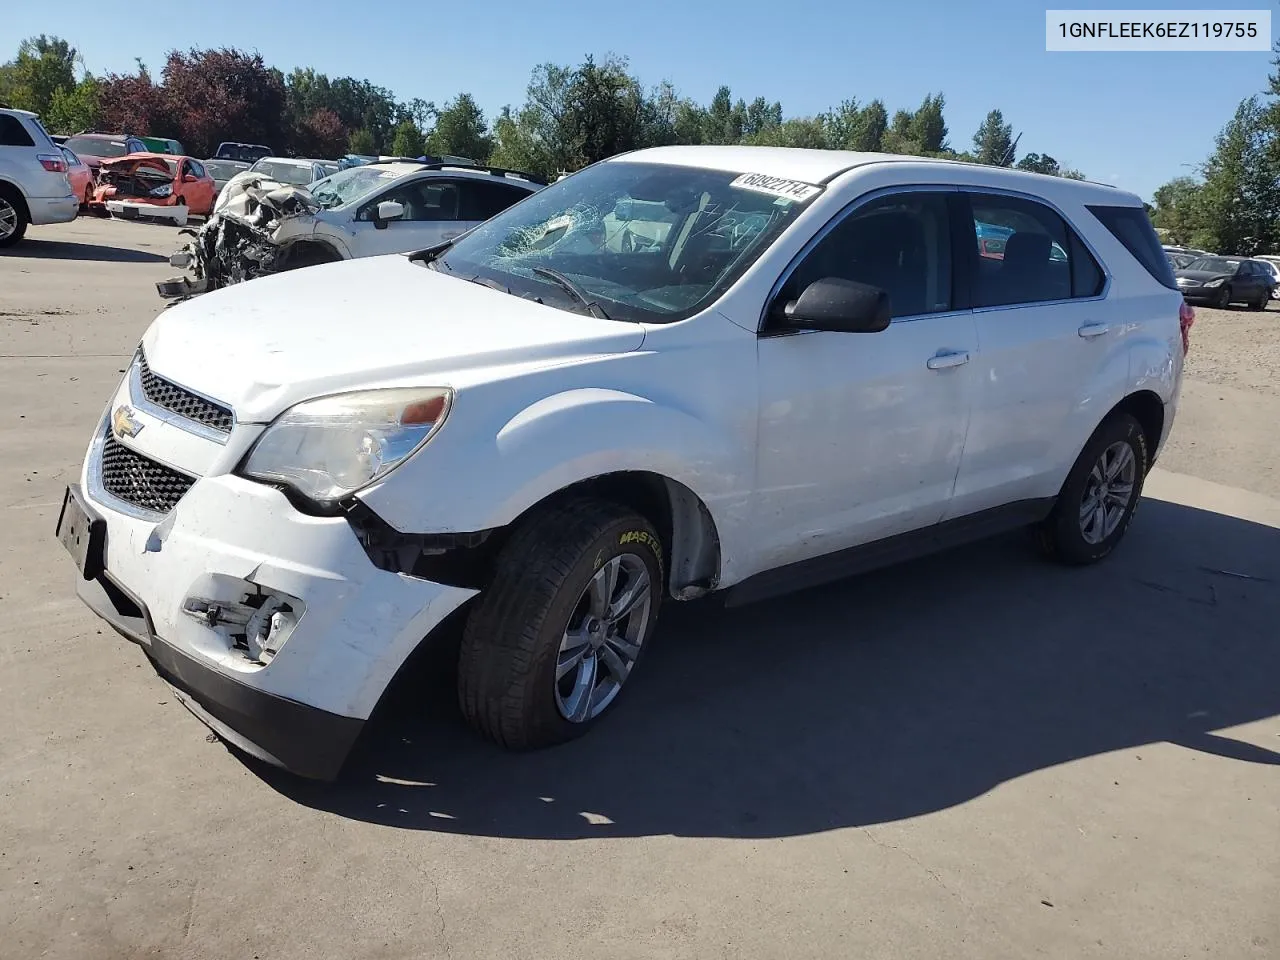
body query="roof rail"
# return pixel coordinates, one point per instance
(474, 167)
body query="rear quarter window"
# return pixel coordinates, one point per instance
(13, 133)
(1132, 228)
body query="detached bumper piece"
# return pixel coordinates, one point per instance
(304, 740)
(177, 287)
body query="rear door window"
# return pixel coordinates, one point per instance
(481, 200)
(1027, 254)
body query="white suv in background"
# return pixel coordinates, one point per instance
(801, 364)
(33, 177)
(262, 226)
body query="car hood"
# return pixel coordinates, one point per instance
(1199, 276)
(265, 345)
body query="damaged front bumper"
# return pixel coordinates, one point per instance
(242, 238)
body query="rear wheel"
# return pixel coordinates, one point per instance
(1260, 303)
(1101, 492)
(13, 217)
(554, 639)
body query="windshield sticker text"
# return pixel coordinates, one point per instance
(795, 190)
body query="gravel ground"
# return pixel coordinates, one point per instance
(1226, 427)
(977, 755)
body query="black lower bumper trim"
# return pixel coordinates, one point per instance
(302, 739)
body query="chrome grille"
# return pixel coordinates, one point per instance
(139, 480)
(167, 394)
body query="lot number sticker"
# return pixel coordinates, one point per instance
(796, 190)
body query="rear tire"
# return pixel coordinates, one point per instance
(546, 651)
(1089, 518)
(1261, 302)
(13, 217)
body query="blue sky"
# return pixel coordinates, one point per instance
(1132, 119)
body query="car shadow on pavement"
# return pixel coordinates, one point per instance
(882, 697)
(70, 250)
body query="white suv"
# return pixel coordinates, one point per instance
(799, 365)
(33, 177)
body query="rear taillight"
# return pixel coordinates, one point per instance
(52, 162)
(1186, 317)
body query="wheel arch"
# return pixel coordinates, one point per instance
(1147, 408)
(690, 538)
(14, 192)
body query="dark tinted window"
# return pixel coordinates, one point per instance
(481, 200)
(1027, 254)
(1086, 276)
(1131, 227)
(13, 133)
(900, 243)
(196, 168)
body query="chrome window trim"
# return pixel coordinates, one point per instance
(138, 397)
(858, 202)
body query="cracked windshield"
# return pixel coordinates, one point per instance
(627, 241)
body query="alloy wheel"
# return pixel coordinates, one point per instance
(603, 638)
(8, 219)
(1108, 492)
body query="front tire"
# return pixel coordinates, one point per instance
(553, 640)
(1223, 299)
(1100, 495)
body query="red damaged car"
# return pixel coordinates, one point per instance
(154, 184)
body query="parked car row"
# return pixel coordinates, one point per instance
(1219, 281)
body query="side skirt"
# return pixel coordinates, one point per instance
(887, 552)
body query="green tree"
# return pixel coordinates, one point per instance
(461, 131)
(1239, 203)
(928, 128)
(994, 143)
(1177, 206)
(408, 140)
(43, 66)
(900, 135)
(74, 109)
(1039, 163)
(361, 142)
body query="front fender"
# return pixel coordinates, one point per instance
(562, 439)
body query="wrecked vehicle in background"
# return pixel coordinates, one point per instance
(153, 185)
(261, 225)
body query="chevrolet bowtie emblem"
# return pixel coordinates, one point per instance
(124, 423)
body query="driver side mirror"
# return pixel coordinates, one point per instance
(387, 210)
(836, 304)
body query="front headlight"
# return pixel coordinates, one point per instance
(329, 448)
(162, 191)
(1214, 283)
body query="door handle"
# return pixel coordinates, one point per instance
(944, 360)
(1091, 330)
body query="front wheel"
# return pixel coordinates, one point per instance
(558, 633)
(1101, 492)
(1223, 299)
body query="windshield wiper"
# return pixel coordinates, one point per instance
(483, 281)
(573, 289)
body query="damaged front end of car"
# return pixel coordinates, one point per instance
(248, 235)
